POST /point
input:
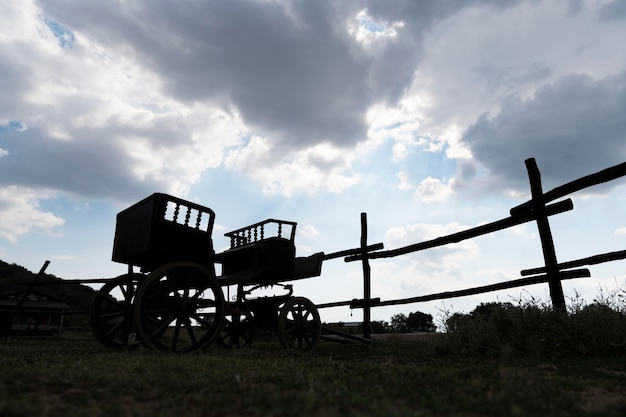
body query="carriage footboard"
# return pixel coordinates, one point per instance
(309, 266)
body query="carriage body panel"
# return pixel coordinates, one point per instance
(161, 229)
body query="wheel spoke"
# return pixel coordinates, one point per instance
(163, 325)
(201, 320)
(190, 331)
(124, 291)
(108, 316)
(114, 328)
(171, 281)
(176, 334)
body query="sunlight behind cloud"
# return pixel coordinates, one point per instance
(367, 30)
(405, 182)
(320, 168)
(433, 189)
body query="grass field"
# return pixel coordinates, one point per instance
(75, 376)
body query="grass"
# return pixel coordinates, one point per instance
(531, 328)
(501, 359)
(75, 376)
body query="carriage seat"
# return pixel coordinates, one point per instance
(266, 260)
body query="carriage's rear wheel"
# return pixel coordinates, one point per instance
(237, 331)
(179, 308)
(112, 312)
(299, 325)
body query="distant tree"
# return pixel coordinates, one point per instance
(455, 321)
(398, 323)
(486, 310)
(379, 327)
(420, 322)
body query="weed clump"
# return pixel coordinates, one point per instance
(531, 328)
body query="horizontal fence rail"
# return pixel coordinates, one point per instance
(534, 210)
(525, 217)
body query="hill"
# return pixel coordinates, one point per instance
(77, 296)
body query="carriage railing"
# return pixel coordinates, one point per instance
(188, 214)
(261, 231)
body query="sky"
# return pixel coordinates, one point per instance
(419, 113)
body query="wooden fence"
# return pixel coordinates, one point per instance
(536, 209)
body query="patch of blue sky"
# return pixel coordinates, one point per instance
(372, 26)
(12, 126)
(418, 164)
(64, 35)
(435, 164)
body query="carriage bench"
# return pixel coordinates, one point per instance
(265, 253)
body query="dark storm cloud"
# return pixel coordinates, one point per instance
(89, 167)
(290, 68)
(573, 127)
(614, 10)
(13, 84)
(292, 75)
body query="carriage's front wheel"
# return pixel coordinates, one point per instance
(112, 312)
(299, 325)
(179, 308)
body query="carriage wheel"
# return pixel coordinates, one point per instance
(237, 331)
(299, 325)
(179, 308)
(112, 319)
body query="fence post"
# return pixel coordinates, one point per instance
(367, 330)
(545, 234)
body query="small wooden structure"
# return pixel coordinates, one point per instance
(30, 312)
(35, 314)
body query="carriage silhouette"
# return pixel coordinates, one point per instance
(177, 303)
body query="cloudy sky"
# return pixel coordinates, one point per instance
(419, 113)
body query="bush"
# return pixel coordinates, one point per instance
(532, 329)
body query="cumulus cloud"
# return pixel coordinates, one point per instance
(405, 182)
(319, 168)
(308, 231)
(620, 231)
(20, 212)
(432, 189)
(87, 120)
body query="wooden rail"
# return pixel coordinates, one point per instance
(533, 210)
(467, 234)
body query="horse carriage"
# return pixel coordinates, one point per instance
(177, 303)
